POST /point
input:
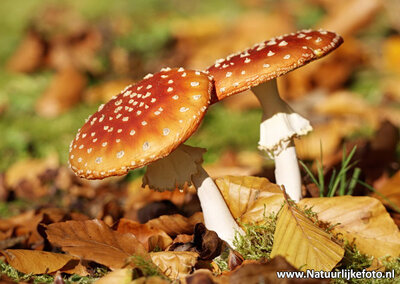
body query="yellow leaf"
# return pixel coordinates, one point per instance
(361, 218)
(119, 276)
(249, 198)
(175, 264)
(304, 244)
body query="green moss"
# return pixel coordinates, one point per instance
(257, 241)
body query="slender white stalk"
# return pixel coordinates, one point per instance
(286, 162)
(217, 216)
(278, 128)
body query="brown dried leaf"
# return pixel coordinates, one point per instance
(63, 93)
(264, 273)
(94, 240)
(150, 280)
(250, 198)
(176, 224)
(24, 176)
(29, 54)
(390, 190)
(40, 262)
(105, 91)
(175, 264)
(361, 218)
(150, 237)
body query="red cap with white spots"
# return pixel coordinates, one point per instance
(144, 123)
(270, 59)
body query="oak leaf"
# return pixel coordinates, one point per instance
(94, 240)
(303, 243)
(362, 219)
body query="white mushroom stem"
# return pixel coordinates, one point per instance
(278, 128)
(183, 165)
(217, 216)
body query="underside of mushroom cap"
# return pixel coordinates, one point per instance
(142, 124)
(269, 60)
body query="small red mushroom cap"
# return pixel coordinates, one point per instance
(144, 123)
(269, 60)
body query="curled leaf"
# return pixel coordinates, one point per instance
(176, 224)
(175, 264)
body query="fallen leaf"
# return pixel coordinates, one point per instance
(118, 276)
(361, 218)
(94, 240)
(265, 273)
(176, 224)
(304, 244)
(175, 264)
(39, 262)
(207, 243)
(150, 280)
(156, 209)
(29, 54)
(391, 190)
(105, 91)
(150, 237)
(62, 94)
(250, 198)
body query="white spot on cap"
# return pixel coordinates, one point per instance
(100, 107)
(138, 112)
(222, 90)
(117, 103)
(247, 60)
(194, 84)
(153, 100)
(81, 146)
(196, 97)
(164, 76)
(170, 89)
(287, 56)
(235, 84)
(318, 39)
(101, 118)
(165, 69)
(270, 53)
(149, 87)
(301, 35)
(175, 97)
(166, 131)
(283, 43)
(146, 146)
(106, 127)
(271, 42)
(181, 69)
(144, 122)
(93, 134)
(117, 140)
(125, 118)
(266, 65)
(89, 150)
(98, 160)
(184, 74)
(104, 144)
(84, 135)
(148, 76)
(243, 72)
(170, 81)
(94, 140)
(183, 109)
(309, 37)
(79, 160)
(132, 132)
(120, 154)
(228, 74)
(119, 130)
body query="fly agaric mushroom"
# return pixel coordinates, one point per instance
(257, 68)
(146, 125)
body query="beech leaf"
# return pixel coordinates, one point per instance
(250, 198)
(175, 264)
(149, 236)
(362, 219)
(39, 262)
(118, 276)
(176, 224)
(302, 243)
(94, 240)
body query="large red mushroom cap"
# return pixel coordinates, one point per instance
(269, 60)
(144, 123)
